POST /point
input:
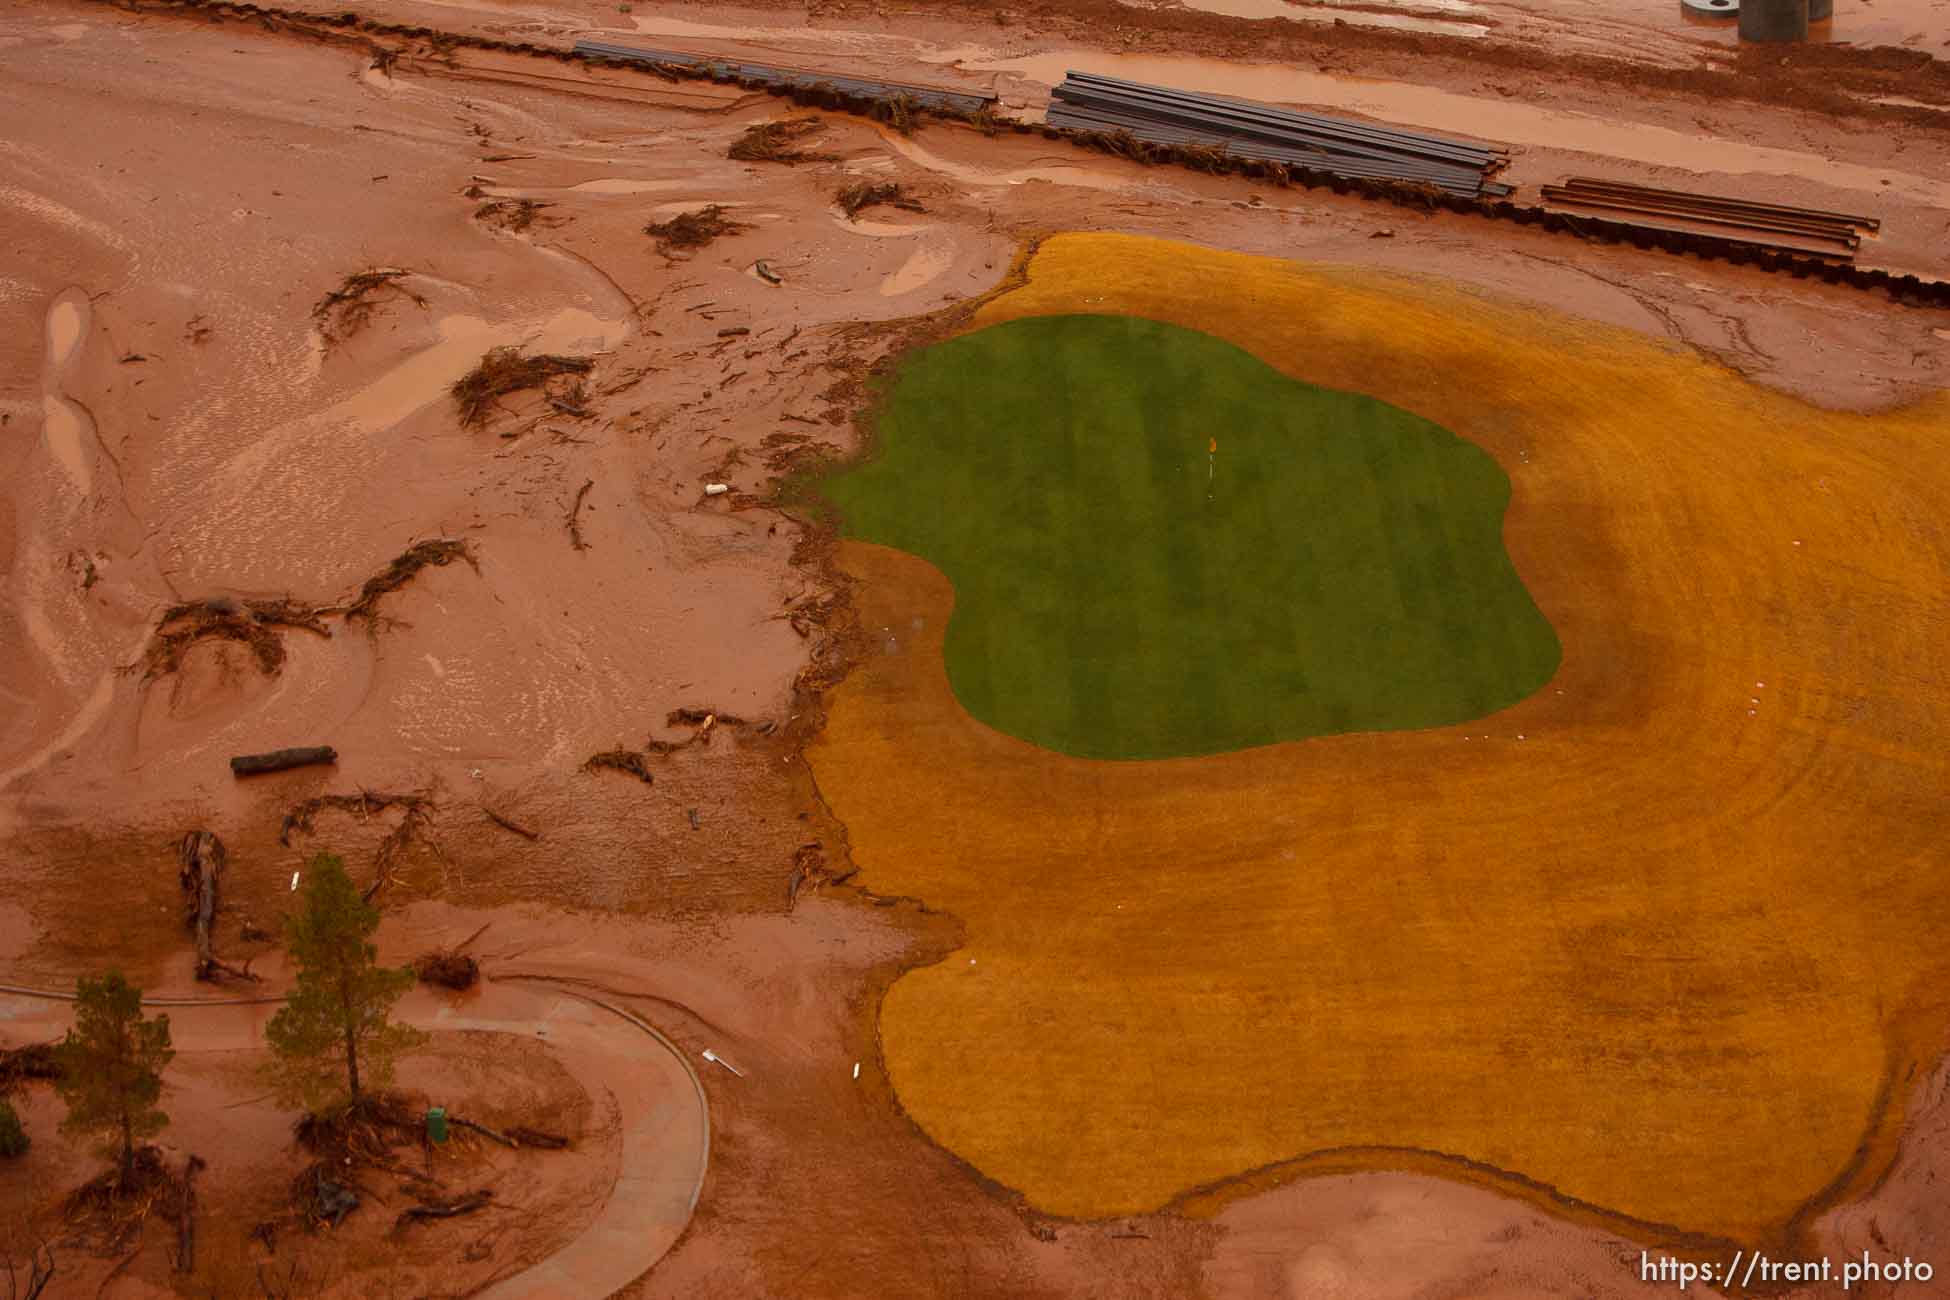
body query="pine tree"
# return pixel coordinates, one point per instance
(337, 1014)
(111, 1066)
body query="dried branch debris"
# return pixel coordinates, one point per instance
(514, 215)
(421, 555)
(621, 760)
(35, 1061)
(575, 517)
(693, 229)
(860, 195)
(509, 824)
(349, 308)
(506, 370)
(773, 141)
(253, 623)
(447, 1209)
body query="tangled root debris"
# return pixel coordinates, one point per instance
(866, 194)
(253, 623)
(348, 309)
(429, 554)
(621, 760)
(449, 970)
(693, 229)
(505, 370)
(773, 141)
(512, 214)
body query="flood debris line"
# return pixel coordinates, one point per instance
(421, 555)
(1161, 115)
(349, 308)
(1807, 231)
(861, 195)
(574, 519)
(506, 370)
(415, 824)
(688, 230)
(887, 93)
(252, 623)
(279, 760)
(201, 856)
(628, 761)
(809, 871)
(775, 142)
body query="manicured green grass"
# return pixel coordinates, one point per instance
(1343, 570)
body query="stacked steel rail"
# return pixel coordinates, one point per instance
(1900, 286)
(1161, 115)
(1806, 231)
(964, 103)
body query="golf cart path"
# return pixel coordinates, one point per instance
(665, 1120)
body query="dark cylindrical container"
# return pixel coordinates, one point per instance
(1774, 20)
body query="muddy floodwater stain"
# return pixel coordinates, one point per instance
(1659, 945)
(1161, 546)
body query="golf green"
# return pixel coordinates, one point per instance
(1123, 590)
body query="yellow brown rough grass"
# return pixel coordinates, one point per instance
(1659, 945)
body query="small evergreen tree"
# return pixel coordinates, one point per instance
(13, 1138)
(111, 1066)
(337, 1014)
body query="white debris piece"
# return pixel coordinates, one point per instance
(715, 1059)
(856, 1069)
(716, 489)
(294, 882)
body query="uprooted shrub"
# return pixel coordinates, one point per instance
(693, 229)
(506, 370)
(773, 142)
(860, 195)
(348, 309)
(512, 214)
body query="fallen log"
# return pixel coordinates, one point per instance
(186, 1218)
(280, 759)
(445, 1209)
(201, 855)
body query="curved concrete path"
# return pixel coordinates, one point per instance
(665, 1117)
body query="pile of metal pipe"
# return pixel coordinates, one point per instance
(935, 97)
(1812, 230)
(1086, 101)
